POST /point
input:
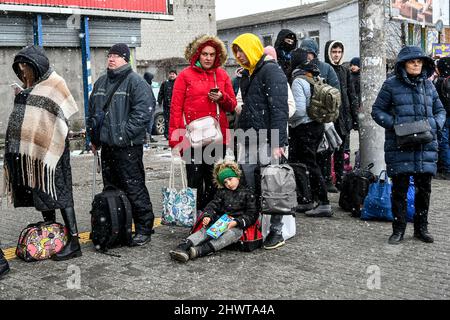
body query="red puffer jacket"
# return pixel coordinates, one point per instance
(190, 96)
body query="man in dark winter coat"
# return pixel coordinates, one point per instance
(165, 98)
(123, 133)
(355, 90)
(443, 88)
(285, 43)
(264, 90)
(334, 55)
(148, 76)
(406, 98)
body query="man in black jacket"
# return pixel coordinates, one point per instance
(165, 98)
(334, 55)
(264, 91)
(123, 133)
(285, 43)
(355, 89)
(148, 76)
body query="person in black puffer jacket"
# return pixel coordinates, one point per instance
(231, 198)
(264, 90)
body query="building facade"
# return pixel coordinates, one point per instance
(163, 42)
(323, 21)
(156, 31)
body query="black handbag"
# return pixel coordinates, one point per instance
(414, 133)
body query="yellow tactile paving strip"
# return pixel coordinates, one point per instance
(84, 238)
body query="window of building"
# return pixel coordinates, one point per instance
(267, 40)
(316, 36)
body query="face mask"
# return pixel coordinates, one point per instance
(288, 46)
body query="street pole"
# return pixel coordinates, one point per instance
(87, 74)
(373, 74)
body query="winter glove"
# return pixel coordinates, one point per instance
(333, 138)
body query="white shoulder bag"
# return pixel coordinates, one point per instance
(204, 131)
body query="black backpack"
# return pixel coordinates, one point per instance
(111, 219)
(355, 186)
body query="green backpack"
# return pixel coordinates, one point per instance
(325, 100)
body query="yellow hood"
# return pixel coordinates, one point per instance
(252, 47)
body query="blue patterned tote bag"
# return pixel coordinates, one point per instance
(179, 205)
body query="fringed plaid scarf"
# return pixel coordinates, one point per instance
(36, 134)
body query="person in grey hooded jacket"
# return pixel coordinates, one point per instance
(407, 97)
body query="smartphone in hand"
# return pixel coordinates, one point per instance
(16, 86)
(213, 90)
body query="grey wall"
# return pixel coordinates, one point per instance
(167, 39)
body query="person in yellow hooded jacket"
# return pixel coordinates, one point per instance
(264, 90)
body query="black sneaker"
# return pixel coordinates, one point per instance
(141, 239)
(321, 210)
(273, 241)
(181, 252)
(179, 255)
(304, 207)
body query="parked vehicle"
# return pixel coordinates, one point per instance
(158, 122)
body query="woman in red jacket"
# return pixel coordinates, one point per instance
(192, 99)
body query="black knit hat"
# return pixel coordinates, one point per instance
(122, 50)
(355, 62)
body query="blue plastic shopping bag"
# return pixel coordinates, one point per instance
(377, 204)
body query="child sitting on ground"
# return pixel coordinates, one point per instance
(231, 198)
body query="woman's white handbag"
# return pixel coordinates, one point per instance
(204, 131)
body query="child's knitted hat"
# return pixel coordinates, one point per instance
(226, 173)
